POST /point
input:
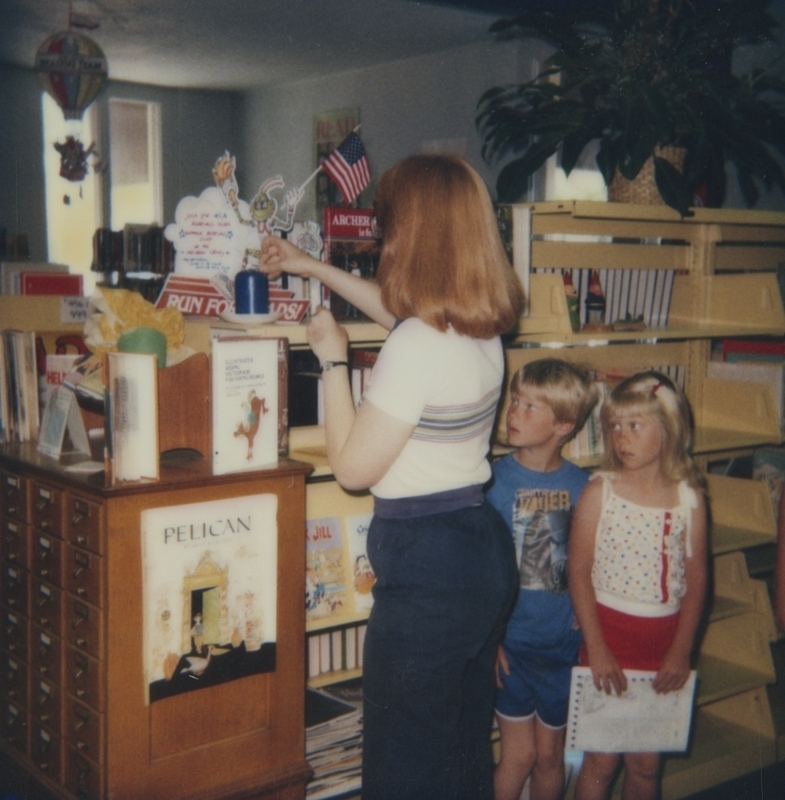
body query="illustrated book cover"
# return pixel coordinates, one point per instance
(327, 589)
(363, 577)
(209, 593)
(245, 392)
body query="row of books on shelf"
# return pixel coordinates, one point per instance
(337, 650)
(38, 278)
(307, 397)
(617, 299)
(19, 401)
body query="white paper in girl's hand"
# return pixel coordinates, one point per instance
(638, 721)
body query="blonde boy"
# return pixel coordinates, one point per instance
(535, 490)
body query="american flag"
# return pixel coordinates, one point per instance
(348, 166)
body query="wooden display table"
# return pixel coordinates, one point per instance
(72, 698)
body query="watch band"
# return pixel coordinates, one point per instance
(328, 365)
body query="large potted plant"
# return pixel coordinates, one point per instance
(640, 76)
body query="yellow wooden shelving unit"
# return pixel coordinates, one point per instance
(724, 285)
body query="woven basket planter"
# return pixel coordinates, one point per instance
(643, 188)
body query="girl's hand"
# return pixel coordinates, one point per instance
(279, 256)
(326, 337)
(607, 673)
(502, 665)
(672, 674)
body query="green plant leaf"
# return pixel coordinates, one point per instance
(606, 161)
(513, 180)
(671, 185)
(645, 73)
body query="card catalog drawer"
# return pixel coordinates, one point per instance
(16, 675)
(14, 542)
(13, 725)
(82, 776)
(46, 606)
(14, 634)
(46, 751)
(47, 557)
(83, 678)
(83, 627)
(47, 509)
(84, 524)
(14, 586)
(83, 729)
(46, 700)
(13, 496)
(83, 575)
(46, 655)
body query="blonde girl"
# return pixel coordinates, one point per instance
(638, 561)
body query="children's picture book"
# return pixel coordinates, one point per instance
(637, 721)
(245, 392)
(363, 577)
(326, 589)
(351, 245)
(131, 416)
(209, 593)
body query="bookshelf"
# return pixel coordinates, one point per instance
(724, 284)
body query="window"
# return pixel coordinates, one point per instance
(72, 208)
(135, 157)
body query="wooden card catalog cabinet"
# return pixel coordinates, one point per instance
(73, 707)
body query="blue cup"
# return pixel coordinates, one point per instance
(251, 292)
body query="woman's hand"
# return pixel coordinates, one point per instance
(607, 673)
(279, 256)
(326, 337)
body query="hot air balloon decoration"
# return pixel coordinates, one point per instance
(72, 68)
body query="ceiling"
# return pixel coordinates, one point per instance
(237, 44)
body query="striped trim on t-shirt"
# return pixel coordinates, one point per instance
(457, 423)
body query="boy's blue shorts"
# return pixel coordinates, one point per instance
(536, 685)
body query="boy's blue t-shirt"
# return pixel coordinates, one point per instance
(538, 509)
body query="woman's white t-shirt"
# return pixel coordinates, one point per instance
(448, 386)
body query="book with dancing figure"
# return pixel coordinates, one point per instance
(246, 373)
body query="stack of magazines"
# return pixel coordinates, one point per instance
(333, 740)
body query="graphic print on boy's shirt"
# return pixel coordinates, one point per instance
(541, 527)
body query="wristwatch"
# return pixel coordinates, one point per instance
(328, 365)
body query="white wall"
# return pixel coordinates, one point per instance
(403, 105)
